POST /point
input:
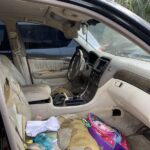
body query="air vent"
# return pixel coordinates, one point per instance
(102, 64)
(105, 58)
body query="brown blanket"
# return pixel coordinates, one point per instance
(73, 135)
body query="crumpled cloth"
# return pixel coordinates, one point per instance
(73, 135)
(35, 127)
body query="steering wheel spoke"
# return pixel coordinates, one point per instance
(76, 65)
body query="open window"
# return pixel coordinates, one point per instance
(48, 52)
(4, 42)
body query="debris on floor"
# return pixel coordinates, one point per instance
(76, 136)
(75, 133)
(35, 127)
(46, 141)
(106, 137)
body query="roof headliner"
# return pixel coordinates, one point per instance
(21, 8)
(18, 10)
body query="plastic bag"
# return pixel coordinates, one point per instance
(105, 136)
(46, 141)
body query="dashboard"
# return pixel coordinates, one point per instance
(92, 58)
(101, 67)
(98, 69)
(132, 94)
(95, 66)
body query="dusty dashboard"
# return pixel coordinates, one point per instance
(92, 58)
(100, 66)
(97, 71)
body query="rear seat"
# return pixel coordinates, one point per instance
(14, 109)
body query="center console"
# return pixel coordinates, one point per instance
(95, 76)
(61, 99)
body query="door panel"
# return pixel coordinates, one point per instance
(47, 65)
(45, 70)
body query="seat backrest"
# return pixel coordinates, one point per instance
(12, 69)
(14, 109)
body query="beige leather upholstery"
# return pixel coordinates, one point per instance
(131, 99)
(36, 92)
(14, 106)
(32, 92)
(14, 109)
(13, 70)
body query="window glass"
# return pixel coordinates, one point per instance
(139, 7)
(41, 39)
(4, 42)
(113, 42)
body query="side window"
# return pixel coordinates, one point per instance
(43, 40)
(4, 42)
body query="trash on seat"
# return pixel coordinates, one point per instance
(35, 127)
(106, 137)
(76, 136)
(46, 141)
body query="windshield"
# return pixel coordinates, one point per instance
(113, 42)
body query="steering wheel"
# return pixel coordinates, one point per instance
(76, 65)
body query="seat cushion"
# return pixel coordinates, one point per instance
(13, 71)
(36, 92)
(14, 109)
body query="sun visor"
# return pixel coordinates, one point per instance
(68, 27)
(71, 31)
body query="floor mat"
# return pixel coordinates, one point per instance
(138, 142)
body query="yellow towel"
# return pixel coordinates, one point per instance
(80, 138)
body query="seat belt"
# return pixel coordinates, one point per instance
(18, 58)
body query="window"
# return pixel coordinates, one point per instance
(44, 40)
(110, 41)
(4, 42)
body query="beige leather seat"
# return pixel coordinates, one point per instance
(15, 110)
(32, 92)
(13, 70)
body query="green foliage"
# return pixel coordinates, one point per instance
(140, 7)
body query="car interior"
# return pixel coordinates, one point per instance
(70, 72)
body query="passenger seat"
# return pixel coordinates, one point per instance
(15, 109)
(32, 92)
(13, 70)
